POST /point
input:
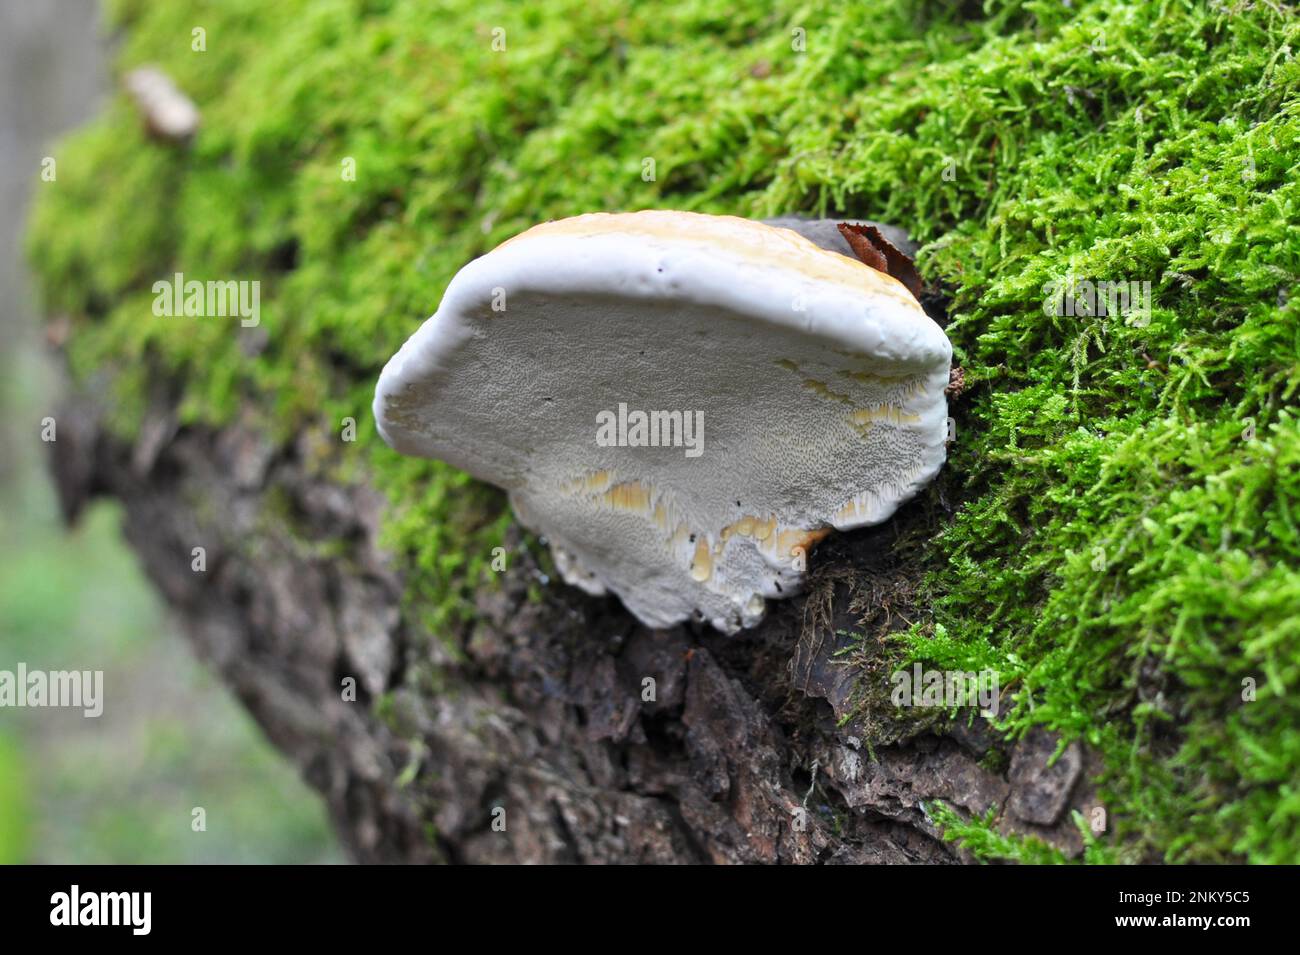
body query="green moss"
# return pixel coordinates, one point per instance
(980, 837)
(1120, 552)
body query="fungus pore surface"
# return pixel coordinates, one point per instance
(682, 404)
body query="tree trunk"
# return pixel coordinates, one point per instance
(527, 737)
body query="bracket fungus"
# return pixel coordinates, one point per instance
(777, 390)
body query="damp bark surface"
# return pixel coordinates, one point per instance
(529, 736)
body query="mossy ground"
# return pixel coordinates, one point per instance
(1125, 550)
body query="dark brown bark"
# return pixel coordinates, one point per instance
(537, 709)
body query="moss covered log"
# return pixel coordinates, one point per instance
(1116, 530)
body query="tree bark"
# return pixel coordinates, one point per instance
(525, 738)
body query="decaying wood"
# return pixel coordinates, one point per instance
(751, 751)
(759, 747)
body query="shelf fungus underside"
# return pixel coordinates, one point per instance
(683, 405)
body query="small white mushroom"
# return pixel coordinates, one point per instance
(168, 113)
(682, 404)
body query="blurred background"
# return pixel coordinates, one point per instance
(122, 787)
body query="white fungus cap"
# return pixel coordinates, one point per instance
(819, 383)
(168, 112)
